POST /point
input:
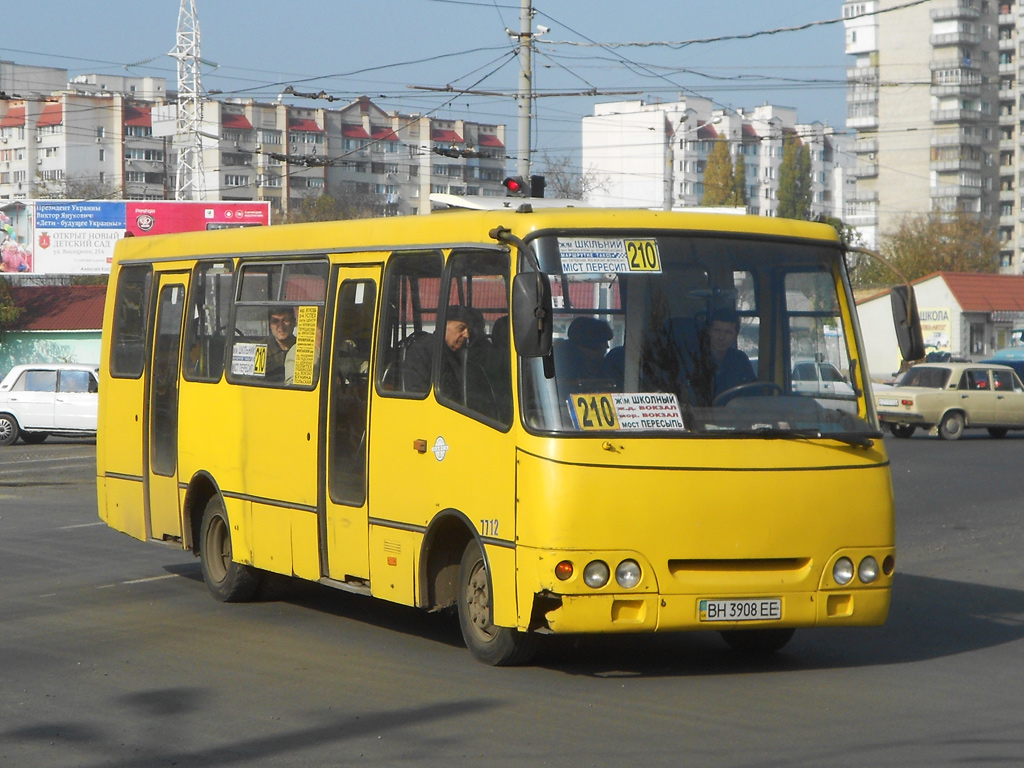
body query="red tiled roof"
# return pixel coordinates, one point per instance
(304, 124)
(59, 307)
(239, 122)
(52, 114)
(749, 132)
(706, 131)
(983, 292)
(15, 116)
(352, 131)
(140, 116)
(448, 137)
(384, 134)
(489, 140)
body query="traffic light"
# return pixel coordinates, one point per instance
(536, 186)
(515, 186)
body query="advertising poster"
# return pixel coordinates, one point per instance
(78, 237)
(937, 328)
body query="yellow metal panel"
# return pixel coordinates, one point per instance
(271, 539)
(122, 506)
(394, 555)
(305, 545)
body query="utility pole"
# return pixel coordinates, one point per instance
(188, 140)
(525, 97)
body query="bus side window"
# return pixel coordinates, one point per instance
(131, 320)
(409, 316)
(207, 331)
(479, 372)
(349, 391)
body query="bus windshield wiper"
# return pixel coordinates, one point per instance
(850, 438)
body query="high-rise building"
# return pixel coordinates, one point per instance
(932, 95)
(653, 155)
(110, 136)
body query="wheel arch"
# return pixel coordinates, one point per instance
(201, 488)
(954, 409)
(440, 555)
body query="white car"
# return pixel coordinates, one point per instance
(40, 400)
(810, 377)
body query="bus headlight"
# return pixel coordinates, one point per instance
(867, 571)
(596, 574)
(627, 575)
(842, 571)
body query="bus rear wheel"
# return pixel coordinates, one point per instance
(758, 642)
(228, 581)
(497, 646)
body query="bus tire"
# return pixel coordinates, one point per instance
(952, 426)
(8, 429)
(228, 581)
(497, 646)
(758, 642)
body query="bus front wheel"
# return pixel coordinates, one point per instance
(228, 581)
(497, 646)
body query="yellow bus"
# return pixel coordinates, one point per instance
(549, 421)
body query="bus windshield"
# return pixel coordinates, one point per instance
(693, 335)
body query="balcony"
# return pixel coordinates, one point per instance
(955, 115)
(955, 191)
(862, 122)
(955, 139)
(955, 12)
(960, 37)
(865, 171)
(955, 164)
(958, 89)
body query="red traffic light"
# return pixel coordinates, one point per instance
(514, 185)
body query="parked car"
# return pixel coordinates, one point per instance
(45, 399)
(953, 397)
(810, 377)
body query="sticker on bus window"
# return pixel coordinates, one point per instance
(306, 351)
(634, 411)
(249, 359)
(608, 255)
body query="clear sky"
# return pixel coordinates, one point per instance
(255, 48)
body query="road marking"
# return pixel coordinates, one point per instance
(151, 578)
(82, 525)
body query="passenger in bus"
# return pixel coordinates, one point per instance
(417, 363)
(280, 340)
(583, 356)
(731, 365)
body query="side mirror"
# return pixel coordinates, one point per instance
(907, 322)
(531, 314)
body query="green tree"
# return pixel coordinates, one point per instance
(931, 243)
(9, 311)
(346, 202)
(739, 183)
(795, 180)
(718, 177)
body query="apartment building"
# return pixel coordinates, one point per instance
(932, 94)
(111, 136)
(653, 155)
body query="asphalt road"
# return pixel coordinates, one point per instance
(112, 653)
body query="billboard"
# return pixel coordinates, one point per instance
(77, 237)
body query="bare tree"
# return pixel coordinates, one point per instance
(564, 178)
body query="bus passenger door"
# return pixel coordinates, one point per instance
(344, 529)
(161, 447)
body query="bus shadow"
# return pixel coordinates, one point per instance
(929, 618)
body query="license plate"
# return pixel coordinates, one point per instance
(761, 609)
(888, 401)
